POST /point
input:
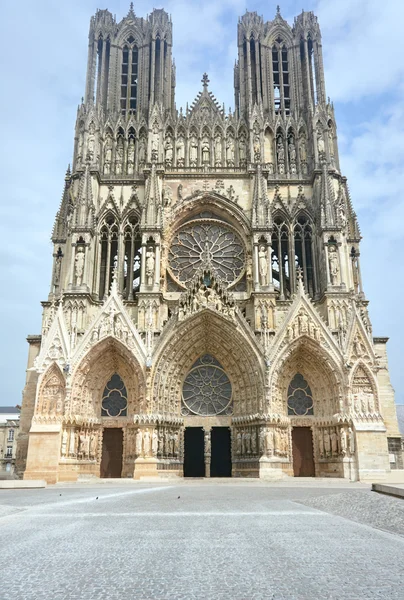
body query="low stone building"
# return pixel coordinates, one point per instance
(9, 428)
(206, 313)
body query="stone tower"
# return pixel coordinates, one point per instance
(206, 314)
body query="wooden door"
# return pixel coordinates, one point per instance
(302, 448)
(112, 448)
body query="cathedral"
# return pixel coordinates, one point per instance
(206, 315)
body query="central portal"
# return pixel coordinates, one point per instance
(112, 447)
(220, 463)
(194, 456)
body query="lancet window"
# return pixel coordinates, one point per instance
(109, 253)
(129, 76)
(293, 247)
(132, 257)
(280, 74)
(304, 252)
(281, 258)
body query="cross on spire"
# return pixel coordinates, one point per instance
(205, 81)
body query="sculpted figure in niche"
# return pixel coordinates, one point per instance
(205, 151)
(79, 265)
(254, 442)
(320, 142)
(138, 442)
(218, 150)
(334, 442)
(321, 443)
(154, 442)
(344, 445)
(63, 451)
(94, 445)
(180, 151)
(72, 443)
(331, 144)
(292, 151)
(230, 151)
(280, 150)
(302, 148)
(108, 155)
(150, 264)
(146, 442)
(263, 265)
(155, 141)
(142, 152)
(175, 441)
(351, 437)
(268, 441)
(168, 147)
(327, 442)
(334, 265)
(238, 443)
(242, 150)
(119, 157)
(131, 155)
(207, 443)
(193, 151)
(303, 323)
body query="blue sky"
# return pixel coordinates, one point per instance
(43, 56)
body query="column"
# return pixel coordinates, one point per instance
(207, 442)
(129, 276)
(97, 266)
(157, 266)
(256, 267)
(143, 265)
(107, 267)
(73, 256)
(327, 265)
(153, 59)
(121, 261)
(269, 255)
(249, 92)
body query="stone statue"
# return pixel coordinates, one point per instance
(280, 150)
(119, 158)
(218, 150)
(327, 442)
(334, 443)
(268, 441)
(207, 443)
(180, 151)
(302, 148)
(343, 438)
(238, 443)
(254, 442)
(155, 141)
(168, 147)
(230, 151)
(263, 266)
(205, 151)
(242, 150)
(320, 143)
(146, 442)
(334, 265)
(139, 442)
(142, 152)
(72, 443)
(150, 264)
(247, 439)
(320, 443)
(292, 151)
(351, 436)
(108, 156)
(79, 265)
(193, 151)
(131, 156)
(63, 451)
(94, 445)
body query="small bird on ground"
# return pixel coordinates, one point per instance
(178, 497)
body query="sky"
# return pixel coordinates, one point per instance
(43, 58)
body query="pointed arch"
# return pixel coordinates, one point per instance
(304, 248)
(108, 251)
(52, 391)
(364, 393)
(95, 370)
(206, 332)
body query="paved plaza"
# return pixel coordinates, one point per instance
(201, 539)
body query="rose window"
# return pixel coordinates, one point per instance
(209, 244)
(207, 389)
(300, 398)
(115, 398)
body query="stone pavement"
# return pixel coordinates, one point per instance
(201, 540)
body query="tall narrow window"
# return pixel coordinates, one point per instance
(133, 79)
(285, 80)
(281, 80)
(280, 258)
(276, 79)
(132, 258)
(312, 69)
(109, 254)
(124, 78)
(304, 255)
(253, 61)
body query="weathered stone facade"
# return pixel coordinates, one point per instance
(206, 273)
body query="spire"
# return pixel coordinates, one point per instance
(131, 12)
(59, 232)
(151, 215)
(300, 283)
(205, 81)
(85, 203)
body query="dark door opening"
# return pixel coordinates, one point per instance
(302, 448)
(220, 462)
(194, 456)
(112, 447)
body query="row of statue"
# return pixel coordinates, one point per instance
(364, 402)
(81, 444)
(333, 442)
(262, 441)
(303, 325)
(206, 297)
(162, 442)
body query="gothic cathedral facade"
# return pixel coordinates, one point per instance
(206, 314)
